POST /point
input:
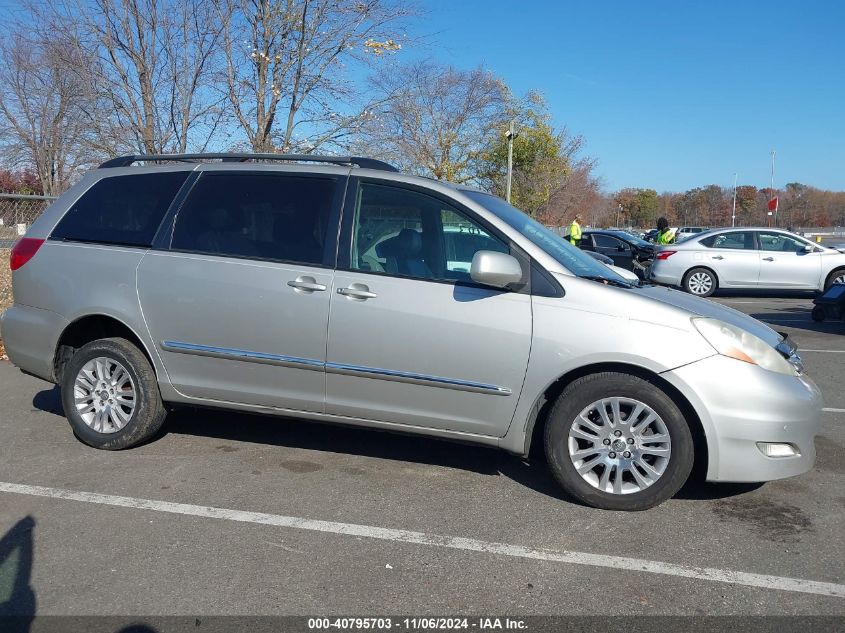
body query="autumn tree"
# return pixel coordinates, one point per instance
(286, 61)
(437, 120)
(746, 204)
(42, 125)
(151, 67)
(542, 159)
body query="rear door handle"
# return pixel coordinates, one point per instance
(357, 291)
(768, 259)
(717, 257)
(306, 283)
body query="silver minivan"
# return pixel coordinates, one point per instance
(338, 289)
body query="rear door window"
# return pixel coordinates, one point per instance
(739, 240)
(121, 210)
(273, 216)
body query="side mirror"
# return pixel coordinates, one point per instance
(495, 269)
(809, 248)
(621, 248)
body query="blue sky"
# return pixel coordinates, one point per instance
(670, 94)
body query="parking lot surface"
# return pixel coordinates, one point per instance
(228, 513)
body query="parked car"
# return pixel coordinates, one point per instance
(325, 290)
(626, 250)
(748, 258)
(686, 232)
(622, 272)
(650, 235)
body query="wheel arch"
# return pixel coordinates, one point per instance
(90, 328)
(701, 267)
(543, 404)
(829, 277)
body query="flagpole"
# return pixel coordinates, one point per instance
(772, 187)
(733, 215)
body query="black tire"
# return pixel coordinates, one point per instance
(839, 272)
(587, 390)
(693, 274)
(818, 314)
(148, 413)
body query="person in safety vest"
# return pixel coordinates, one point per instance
(664, 234)
(575, 230)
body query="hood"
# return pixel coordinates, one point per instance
(839, 247)
(705, 308)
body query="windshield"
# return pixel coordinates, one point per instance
(570, 257)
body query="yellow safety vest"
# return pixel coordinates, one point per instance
(665, 237)
(574, 233)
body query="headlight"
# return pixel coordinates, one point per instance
(734, 342)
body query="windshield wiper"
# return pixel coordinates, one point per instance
(611, 282)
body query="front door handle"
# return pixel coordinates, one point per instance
(768, 259)
(717, 257)
(357, 291)
(306, 283)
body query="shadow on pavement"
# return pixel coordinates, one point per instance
(533, 473)
(17, 597)
(318, 436)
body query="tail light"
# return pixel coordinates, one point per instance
(24, 250)
(664, 254)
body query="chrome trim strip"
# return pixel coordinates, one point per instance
(244, 355)
(334, 368)
(421, 379)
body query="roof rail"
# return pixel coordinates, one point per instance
(356, 161)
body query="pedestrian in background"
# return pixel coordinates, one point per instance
(575, 230)
(664, 234)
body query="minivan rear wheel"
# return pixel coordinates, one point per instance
(700, 282)
(618, 442)
(110, 395)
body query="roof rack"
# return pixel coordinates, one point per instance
(356, 161)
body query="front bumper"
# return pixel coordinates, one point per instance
(739, 405)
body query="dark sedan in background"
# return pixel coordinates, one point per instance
(626, 250)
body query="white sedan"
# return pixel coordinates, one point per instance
(748, 258)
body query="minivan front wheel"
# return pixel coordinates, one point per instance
(618, 442)
(110, 395)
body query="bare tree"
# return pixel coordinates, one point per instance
(437, 120)
(40, 107)
(285, 66)
(152, 67)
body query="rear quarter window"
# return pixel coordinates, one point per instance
(123, 210)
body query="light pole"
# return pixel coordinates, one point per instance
(733, 214)
(618, 209)
(511, 134)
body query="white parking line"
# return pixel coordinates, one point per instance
(832, 410)
(824, 351)
(453, 542)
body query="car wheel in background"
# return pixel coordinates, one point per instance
(700, 282)
(836, 277)
(618, 442)
(110, 395)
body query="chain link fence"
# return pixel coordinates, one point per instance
(18, 212)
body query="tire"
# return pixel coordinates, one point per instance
(136, 413)
(563, 436)
(700, 282)
(837, 276)
(818, 314)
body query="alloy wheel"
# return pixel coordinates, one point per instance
(619, 445)
(700, 283)
(104, 395)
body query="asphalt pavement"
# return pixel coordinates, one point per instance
(228, 513)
